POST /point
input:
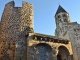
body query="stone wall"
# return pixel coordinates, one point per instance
(36, 47)
(15, 23)
(7, 50)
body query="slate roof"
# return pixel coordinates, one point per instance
(60, 9)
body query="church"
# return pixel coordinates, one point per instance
(19, 41)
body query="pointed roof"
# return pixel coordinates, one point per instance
(60, 9)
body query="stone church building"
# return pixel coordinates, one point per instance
(19, 41)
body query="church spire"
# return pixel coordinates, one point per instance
(60, 9)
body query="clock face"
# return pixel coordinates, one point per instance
(43, 52)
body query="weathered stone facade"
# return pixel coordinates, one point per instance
(46, 47)
(68, 30)
(15, 22)
(19, 42)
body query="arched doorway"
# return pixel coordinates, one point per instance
(43, 51)
(63, 53)
(59, 57)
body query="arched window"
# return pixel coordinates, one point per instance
(65, 20)
(60, 20)
(59, 16)
(64, 15)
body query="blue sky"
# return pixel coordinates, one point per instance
(44, 11)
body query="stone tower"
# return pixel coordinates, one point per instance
(61, 17)
(68, 30)
(15, 23)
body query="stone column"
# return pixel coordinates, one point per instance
(54, 54)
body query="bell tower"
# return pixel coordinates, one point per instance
(61, 17)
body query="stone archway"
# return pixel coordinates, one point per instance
(43, 51)
(63, 53)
